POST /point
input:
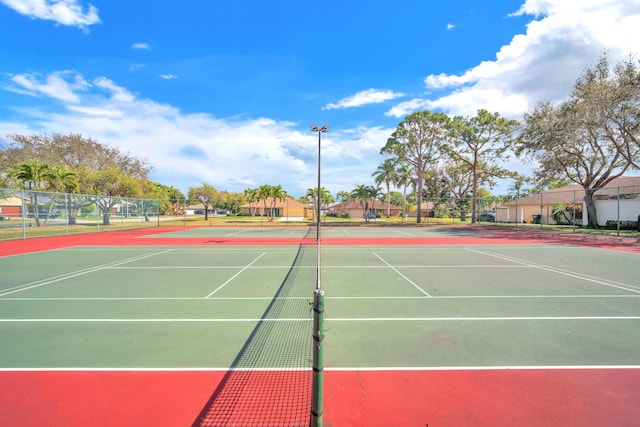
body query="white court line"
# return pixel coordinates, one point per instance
(575, 275)
(144, 369)
(151, 298)
(475, 319)
(235, 275)
(330, 319)
(487, 368)
(390, 297)
(402, 232)
(401, 275)
(336, 369)
(329, 267)
(194, 320)
(75, 274)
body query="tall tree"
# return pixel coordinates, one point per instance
(205, 194)
(32, 175)
(73, 151)
(481, 142)
(109, 186)
(579, 139)
(417, 141)
(610, 99)
(276, 193)
(386, 174)
(61, 179)
(325, 198)
(364, 194)
(251, 194)
(403, 179)
(343, 196)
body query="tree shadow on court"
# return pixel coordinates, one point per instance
(269, 382)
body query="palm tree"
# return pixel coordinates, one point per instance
(375, 193)
(342, 196)
(34, 175)
(405, 175)
(252, 197)
(386, 173)
(63, 180)
(325, 197)
(263, 193)
(276, 193)
(363, 193)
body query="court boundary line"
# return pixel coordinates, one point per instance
(334, 369)
(329, 319)
(330, 267)
(401, 275)
(416, 297)
(55, 279)
(575, 275)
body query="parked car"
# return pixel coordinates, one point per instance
(487, 217)
(43, 215)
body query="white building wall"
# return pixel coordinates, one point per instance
(608, 211)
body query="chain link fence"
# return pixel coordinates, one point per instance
(25, 214)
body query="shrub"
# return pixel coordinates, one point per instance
(624, 225)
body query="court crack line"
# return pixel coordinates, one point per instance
(401, 275)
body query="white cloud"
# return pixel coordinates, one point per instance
(118, 94)
(541, 64)
(65, 12)
(56, 85)
(369, 96)
(407, 107)
(450, 26)
(187, 149)
(168, 76)
(136, 67)
(144, 46)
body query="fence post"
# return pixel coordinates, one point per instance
(618, 222)
(573, 221)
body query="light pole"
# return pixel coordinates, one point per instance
(318, 311)
(320, 131)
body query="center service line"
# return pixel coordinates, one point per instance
(401, 275)
(236, 275)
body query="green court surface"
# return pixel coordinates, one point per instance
(401, 306)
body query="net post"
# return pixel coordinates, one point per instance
(318, 358)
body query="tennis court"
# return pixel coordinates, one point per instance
(425, 326)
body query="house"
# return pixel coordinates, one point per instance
(427, 210)
(287, 208)
(354, 209)
(11, 206)
(198, 210)
(618, 200)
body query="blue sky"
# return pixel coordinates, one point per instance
(225, 92)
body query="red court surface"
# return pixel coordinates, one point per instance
(493, 235)
(581, 396)
(516, 397)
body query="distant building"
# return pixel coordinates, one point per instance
(287, 208)
(354, 209)
(620, 199)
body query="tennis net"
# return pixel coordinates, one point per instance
(270, 381)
